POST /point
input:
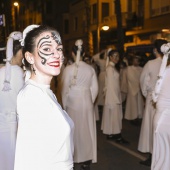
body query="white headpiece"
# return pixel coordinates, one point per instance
(107, 55)
(9, 54)
(79, 44)
(165, 48)
(27, 74)
(26, 30)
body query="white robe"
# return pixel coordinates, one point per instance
(45, 131)
(134, 102)
(112, 113)
(8, 116)
(147, 81)
(78, 100)
(161, 144)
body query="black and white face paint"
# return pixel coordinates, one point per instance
(47, 46)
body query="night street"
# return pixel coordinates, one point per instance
(113, 156)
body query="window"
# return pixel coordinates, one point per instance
(66, 26)
(105, 10)
(94, 11)
(75, 24)
(160, 7)
(49, 8)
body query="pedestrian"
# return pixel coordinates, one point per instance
(112, 113)
(148, 80)
(11, 81)
(44, 138)
(134, 100)
(80, 89)
(161, 96)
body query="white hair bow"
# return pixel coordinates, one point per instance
(107, 55)
(79, 44)
(16, 35)
(26, 30)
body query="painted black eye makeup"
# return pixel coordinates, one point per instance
(46, 48)
(43, 46)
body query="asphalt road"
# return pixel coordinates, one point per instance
(113, 156)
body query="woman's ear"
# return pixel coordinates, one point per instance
(29, 57)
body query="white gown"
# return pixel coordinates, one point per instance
(147, 81)
(78, 100)
(134, 101)
(8, 117)
(45, 131)
(112, 113)
(161, 145)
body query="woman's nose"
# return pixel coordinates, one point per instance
(57, 54)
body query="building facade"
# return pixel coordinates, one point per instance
(142, 21)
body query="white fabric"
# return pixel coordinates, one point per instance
(147, 81)
(122, 74)
(161, 145)
(134, 102)
(112, 113)
(26, 30)
(8, 117)
(45, 131)
(78, 101)
(101, 78)
(9, 55)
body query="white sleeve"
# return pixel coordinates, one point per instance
(144, 79)
(65, 85)
(94, 86)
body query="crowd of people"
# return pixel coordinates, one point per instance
(41, 129)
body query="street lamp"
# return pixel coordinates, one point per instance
(16, 14)
(105, 27)
(16, 4)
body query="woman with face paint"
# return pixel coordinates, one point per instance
(112, 112)
(79, 91)
(44, 139)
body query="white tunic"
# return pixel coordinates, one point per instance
(161, 145)
(78, 101)
(147, 81)
(44, 139)
(112, 113)
(8, 117)
(134, 102)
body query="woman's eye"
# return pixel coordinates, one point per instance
(60, 49)
(47, 49)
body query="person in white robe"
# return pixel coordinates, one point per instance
(123, 67)
(88, 60)
(79, 92)
(100, 61)
(161, 125)
(11, 81)
(45, 131)
(131, 82)
(112, 113)
(148, 80)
